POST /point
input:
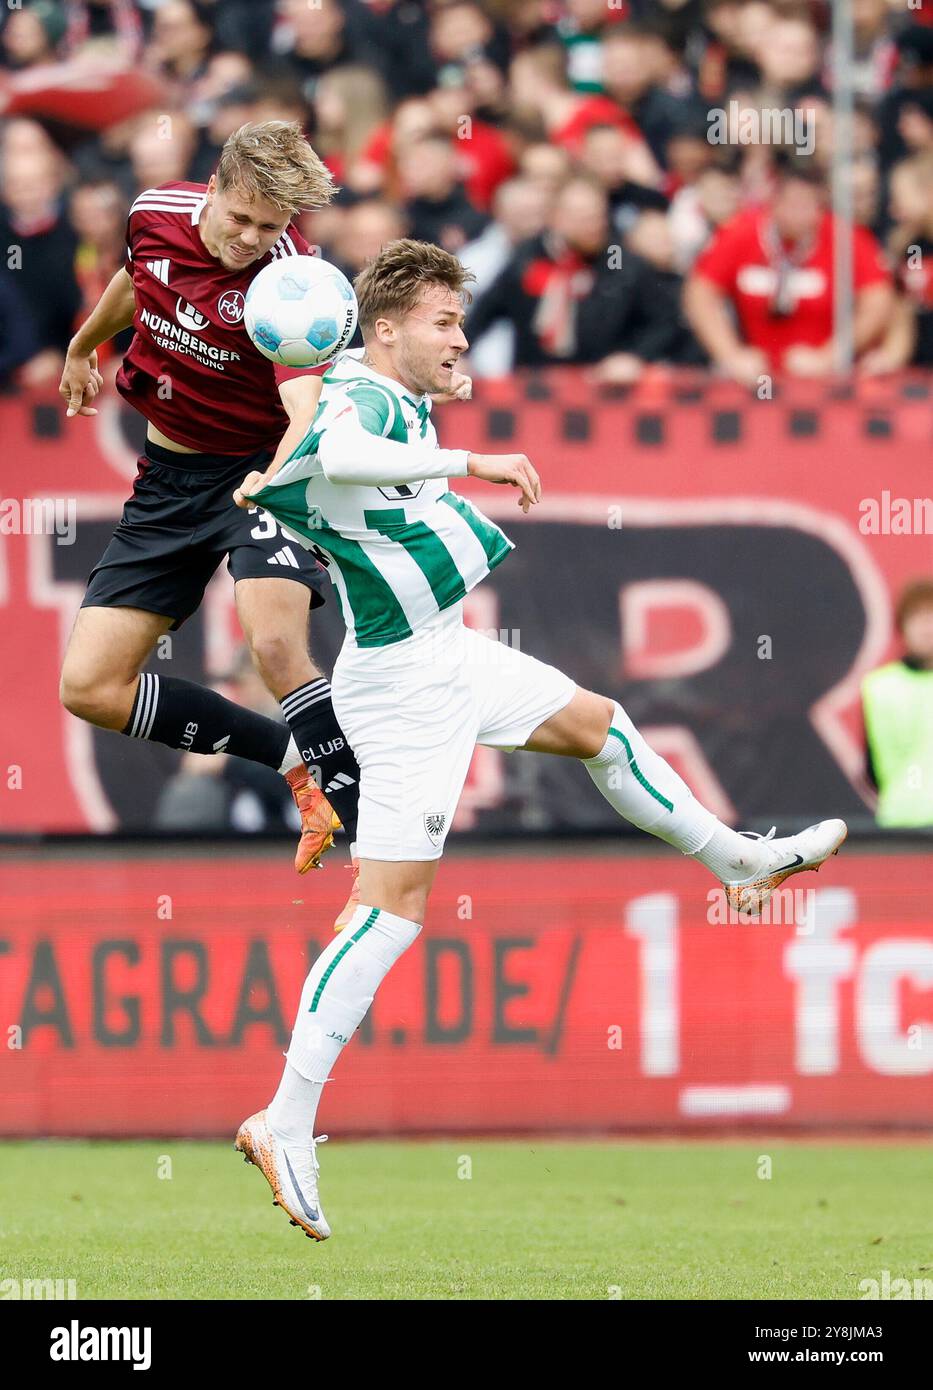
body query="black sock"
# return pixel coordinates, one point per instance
(321, 743)
(197, 720)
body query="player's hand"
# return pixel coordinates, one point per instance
(81, 381)
(514, 469)
(252, 483)
(461, 389)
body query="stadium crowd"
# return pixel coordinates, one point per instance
(632, 181)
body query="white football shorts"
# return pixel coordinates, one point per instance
(413, 713)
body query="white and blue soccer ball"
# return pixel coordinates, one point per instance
(300, 311)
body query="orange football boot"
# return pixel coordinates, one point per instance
(318, 819)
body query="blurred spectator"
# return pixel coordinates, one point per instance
(98, 213)
(773, 267)
(541, 90)
(909, 337)
(483, 154)
(221, 793)
(35, 34)
(18, 337)
(112, 25)
(550, 110)
(462, 32)
(699, 209)
(649, 237)
(897, 703)
(161, 150)
(435, 202)
(39, 247)
(225, 71)
(574, 297)
(180, 44)
(790, 60)
(581, 29)
(312, 39)
(905, 114)
(547, 166)
(350, 105)
(732, 34)
(376, 169)
(626, 171)
(875, 50)
(520, 211)
(364, 229)
(631, 73)
(230, 109)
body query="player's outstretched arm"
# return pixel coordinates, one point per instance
(514, 469)
(300, 396)
(113, 312)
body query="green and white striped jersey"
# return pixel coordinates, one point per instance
(367, 490)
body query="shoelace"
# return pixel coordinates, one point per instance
(754, 835)
(321, 1139)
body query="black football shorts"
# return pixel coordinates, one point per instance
(176, 529)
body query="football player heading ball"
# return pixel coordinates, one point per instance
(216, 410)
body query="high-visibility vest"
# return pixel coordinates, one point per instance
(898, 706)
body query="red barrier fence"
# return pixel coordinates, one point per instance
(602, 992)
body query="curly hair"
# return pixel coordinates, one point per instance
(272, 161)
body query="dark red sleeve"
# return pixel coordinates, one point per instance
(289, 373)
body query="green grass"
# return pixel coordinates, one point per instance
(537, 1220)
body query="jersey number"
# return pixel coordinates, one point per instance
(266, 527)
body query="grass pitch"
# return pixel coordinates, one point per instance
(473, 1219)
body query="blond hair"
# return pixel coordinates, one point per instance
(272, 161)
(390, 286)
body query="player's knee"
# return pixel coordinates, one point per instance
(92, 700)
(595, 730)
(279, 661)
(411, 904)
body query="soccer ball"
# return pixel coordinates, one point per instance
(300, 311)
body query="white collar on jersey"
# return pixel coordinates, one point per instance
(197, 209)
(351, 361)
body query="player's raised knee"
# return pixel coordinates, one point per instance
(95, 701)
(275, 658)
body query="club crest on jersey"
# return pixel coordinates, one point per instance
(434, 825)
(189, 316)
(230, 306)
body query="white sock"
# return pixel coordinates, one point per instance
(292, 1109)
(338, 991)
(292, 756)
(642, 787)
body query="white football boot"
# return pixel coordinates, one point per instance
(771, 861)
(292, 1173)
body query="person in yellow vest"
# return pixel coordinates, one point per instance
(897, 702)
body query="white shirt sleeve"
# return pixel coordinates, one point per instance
(349, 454)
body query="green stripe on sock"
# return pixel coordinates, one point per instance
(639, 775)
(339, 957)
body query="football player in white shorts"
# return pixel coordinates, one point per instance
(415, 690)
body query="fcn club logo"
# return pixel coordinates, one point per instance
(230, 306)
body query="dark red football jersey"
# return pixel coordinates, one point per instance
(191, 368)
